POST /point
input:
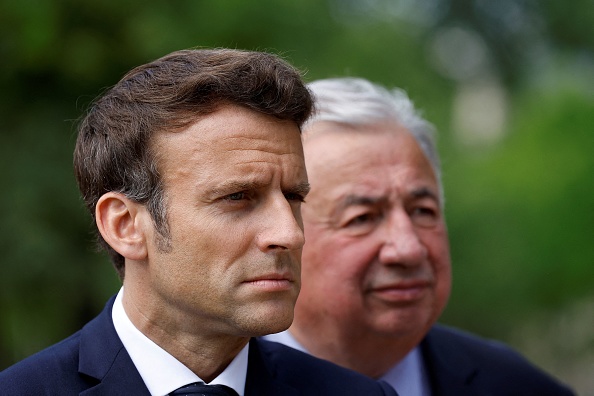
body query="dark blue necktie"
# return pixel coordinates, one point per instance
(200, 388)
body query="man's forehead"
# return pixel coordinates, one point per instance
(380, 157)
(339, 144)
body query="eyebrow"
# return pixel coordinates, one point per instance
(236, 185)
(301, 189)
(241, 185)
(424, 192)
(354, 200)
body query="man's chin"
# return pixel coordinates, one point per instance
(277, 325)
(269, 320)
(400, 323)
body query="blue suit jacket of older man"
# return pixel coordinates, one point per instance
(462, 364)
(94, 362)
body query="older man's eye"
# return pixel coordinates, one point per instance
(425, 216)
(361, 219)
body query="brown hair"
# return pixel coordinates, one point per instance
(113, 149)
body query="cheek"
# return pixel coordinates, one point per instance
(205, 235)
(335, 266)
(440, 259)
(444, 281)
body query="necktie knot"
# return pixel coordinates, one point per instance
(200, 388)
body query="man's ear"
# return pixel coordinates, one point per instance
(120, 223)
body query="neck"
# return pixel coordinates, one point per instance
(203, 351)
(368, 353)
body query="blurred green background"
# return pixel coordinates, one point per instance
(509, 84)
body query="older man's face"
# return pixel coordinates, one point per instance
(234, 182)
(376, 258)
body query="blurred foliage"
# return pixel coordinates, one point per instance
(520, 205)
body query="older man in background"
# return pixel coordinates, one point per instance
(376, 265)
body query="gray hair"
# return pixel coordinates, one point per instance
(359, 102)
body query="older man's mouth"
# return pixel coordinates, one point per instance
(402, 292)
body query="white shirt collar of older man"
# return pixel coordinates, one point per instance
(161, 372)
(408, 377)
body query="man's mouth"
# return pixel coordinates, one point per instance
(272, 281)
(402, 291)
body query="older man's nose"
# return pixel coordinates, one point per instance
(402, 244)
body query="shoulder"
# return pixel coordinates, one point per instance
(51, 368)
(443, 337)
(55, 369)
(492, 363)
(313, 376)
(483, 351)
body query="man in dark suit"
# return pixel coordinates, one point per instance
(192, 167)
(376, 264)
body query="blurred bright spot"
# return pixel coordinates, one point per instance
(479, 112)
(421, 12)
(459, 53)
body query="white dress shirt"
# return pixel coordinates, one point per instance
(161, 372)
(408, 377)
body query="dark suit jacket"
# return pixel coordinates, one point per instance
(460, 364)
(94, 362)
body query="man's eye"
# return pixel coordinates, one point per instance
(295, 197)
(361, 219)
(236, 196)
(424, 211)
(425, 216)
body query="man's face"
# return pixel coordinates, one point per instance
(233, 182)
(376, 258)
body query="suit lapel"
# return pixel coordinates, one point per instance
(261, 375)
(102, 357)
(451, 371)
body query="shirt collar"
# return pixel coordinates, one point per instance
(285, 337)
(160, 371)
(408, 377)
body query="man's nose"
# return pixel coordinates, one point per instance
(402, 244)
(281, 227)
